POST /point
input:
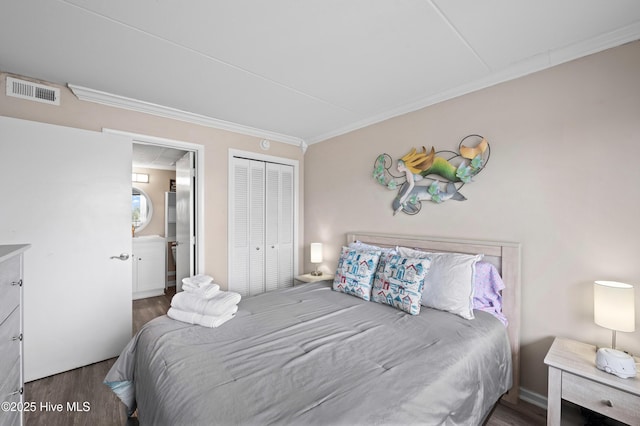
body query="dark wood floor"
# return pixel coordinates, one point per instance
(84, 385)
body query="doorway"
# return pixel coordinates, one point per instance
(178, 202)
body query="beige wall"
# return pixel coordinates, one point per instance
(563, 179)
(91, 116)
(155, 189)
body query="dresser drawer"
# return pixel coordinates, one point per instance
(11, 382)
(9, 348)
(10, 418)
(7, 395)
(9, 293)
(601, 398)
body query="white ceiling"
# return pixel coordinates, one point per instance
(300, 70)
(155, 156)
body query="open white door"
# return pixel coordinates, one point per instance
(68, 193)
(185, 229)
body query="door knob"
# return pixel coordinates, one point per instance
(123, 256)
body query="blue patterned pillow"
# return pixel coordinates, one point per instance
(399, 282)
(355, 272)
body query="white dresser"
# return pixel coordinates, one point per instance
(11, 359)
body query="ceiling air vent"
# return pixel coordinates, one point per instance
(32, 91)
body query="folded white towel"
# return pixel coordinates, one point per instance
(203, 320)
(219, 304)
(189, 286)
(207, 291)
(197, 280)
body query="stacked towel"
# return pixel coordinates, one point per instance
(203, 303)
(196, 281)
(203, 320)
(221, 303)
(207, 291)
(200, 285)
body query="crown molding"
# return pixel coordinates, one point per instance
(117, 101)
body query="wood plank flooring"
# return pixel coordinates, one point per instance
(84, 385)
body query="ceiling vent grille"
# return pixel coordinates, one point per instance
(32, 91)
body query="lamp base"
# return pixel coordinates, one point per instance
(316, 273)
(616, 362)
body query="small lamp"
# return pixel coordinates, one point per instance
(316, 257)
(614, 307)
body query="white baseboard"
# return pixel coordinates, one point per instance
(533, 398)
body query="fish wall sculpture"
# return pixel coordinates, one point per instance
(435, 176)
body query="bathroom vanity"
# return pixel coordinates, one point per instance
(148, 266)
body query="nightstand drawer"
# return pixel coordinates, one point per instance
(601, 398)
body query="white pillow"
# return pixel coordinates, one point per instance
(449, 283)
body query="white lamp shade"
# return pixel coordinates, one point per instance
(316, 253)
(614, 305)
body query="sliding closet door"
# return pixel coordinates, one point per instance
(261, 206)
(285, 231)
(279, 226)
(239, 226)
(256, 227)
(246, 273)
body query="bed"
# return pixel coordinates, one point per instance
(312, 355)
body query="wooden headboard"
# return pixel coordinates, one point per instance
(505, 256)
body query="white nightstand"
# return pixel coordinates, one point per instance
(573, 376)
(308, 278)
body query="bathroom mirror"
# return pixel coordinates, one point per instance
(141, 209)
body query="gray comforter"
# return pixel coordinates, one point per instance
(308, 355)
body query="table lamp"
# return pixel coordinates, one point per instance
(316, 257)
(614, 308)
